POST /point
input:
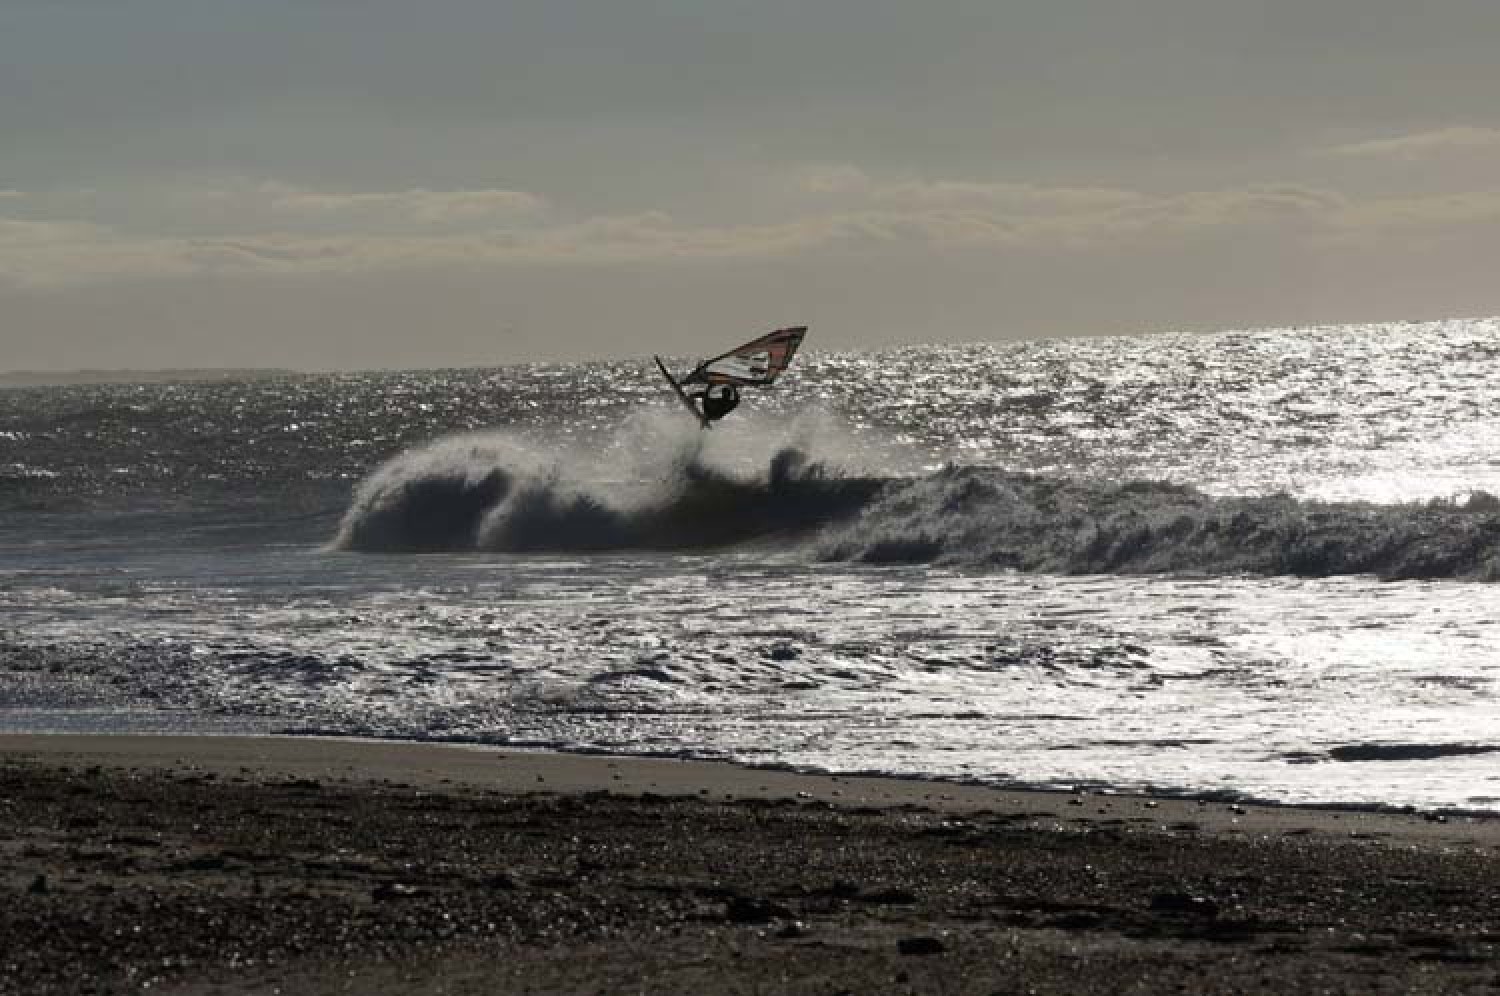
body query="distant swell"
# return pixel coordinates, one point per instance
(484, 495)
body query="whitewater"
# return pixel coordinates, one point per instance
(1244, 565)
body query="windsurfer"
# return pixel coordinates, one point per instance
(757, 363)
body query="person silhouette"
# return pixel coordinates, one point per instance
(717, 400)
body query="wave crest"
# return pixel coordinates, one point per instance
(492, 493)
(985, 517)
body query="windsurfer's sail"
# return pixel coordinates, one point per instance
(755, 364)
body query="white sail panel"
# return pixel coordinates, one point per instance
(755, 364)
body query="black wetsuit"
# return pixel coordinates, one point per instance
(718, 400)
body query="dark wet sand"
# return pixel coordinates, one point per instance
(245, 865)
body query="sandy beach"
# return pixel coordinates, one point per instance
(263, 865)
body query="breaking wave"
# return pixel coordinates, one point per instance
(700, 492)
(660, 489)
(981, 516)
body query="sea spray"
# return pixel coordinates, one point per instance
(653, 487)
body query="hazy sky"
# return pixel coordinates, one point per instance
(365, 183)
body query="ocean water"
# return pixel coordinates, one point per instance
(1250, 565)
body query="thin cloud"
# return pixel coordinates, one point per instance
(1424, 145)
(850, 182)
(417, 206)
(1254, 205)
(945, 217)
(16, 233)
(1427, 214)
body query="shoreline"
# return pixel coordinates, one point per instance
(233, 865)
(435, 764)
